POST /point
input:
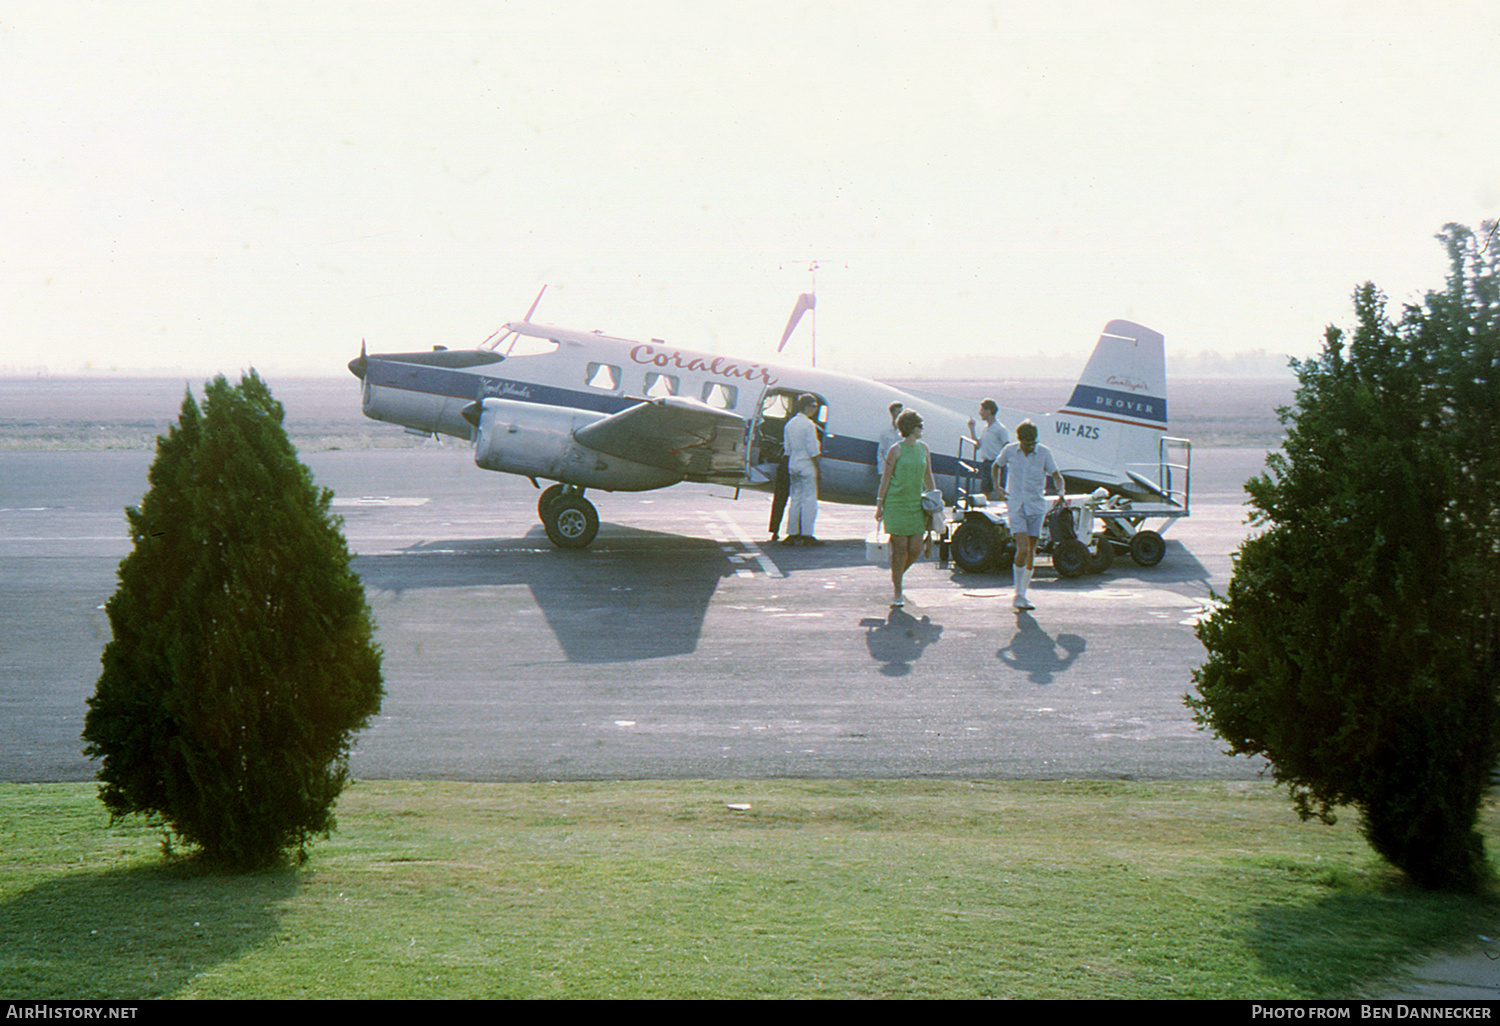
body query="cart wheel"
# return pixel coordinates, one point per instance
(1147, 548)
(1070, 558)
(976, 546)
(1102, 556)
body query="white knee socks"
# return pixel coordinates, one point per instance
(1022, 576)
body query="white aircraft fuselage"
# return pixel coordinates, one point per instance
(590, 411)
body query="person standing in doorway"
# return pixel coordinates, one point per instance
(803, 450)
(783, 489)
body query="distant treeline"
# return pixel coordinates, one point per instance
(1254, 363)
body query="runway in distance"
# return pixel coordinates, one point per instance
(589, 411)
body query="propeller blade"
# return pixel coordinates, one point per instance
(357, 366)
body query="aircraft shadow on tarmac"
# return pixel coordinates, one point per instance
(637, 594)
(632, 595)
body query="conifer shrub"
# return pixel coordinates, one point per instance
(242, 659)
(1358, 647)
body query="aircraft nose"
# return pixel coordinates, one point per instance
(358, 364)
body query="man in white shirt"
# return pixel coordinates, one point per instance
(1021, 473)
(988, 445)
(800, 441)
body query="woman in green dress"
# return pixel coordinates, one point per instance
(908, 472)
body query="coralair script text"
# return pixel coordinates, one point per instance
(654, 357)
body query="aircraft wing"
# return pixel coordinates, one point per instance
(696, 440)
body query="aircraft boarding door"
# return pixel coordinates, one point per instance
(763, 451)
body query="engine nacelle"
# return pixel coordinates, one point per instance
(536, 440)
(420, 413)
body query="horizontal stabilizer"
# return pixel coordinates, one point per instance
(1148, 485)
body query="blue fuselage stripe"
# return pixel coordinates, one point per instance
(467, 385)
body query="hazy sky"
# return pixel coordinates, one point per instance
(205, 187)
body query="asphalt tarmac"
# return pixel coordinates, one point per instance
(680, 645)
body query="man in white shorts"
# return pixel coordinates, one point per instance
(1021, 473)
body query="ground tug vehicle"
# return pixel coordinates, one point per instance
(1083, 533)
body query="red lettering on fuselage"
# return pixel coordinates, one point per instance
(717, 365)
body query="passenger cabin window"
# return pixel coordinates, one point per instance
(720, 396)
(660, 385)
(776, 406)
(603, 376)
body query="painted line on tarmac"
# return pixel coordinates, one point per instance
(752, 550)
(728, 548)
(380, 500)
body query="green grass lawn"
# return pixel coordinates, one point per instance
(662, 889)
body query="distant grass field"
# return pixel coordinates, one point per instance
(106, 412)
(791, 889)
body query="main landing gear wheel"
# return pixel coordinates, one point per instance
(571, 521)
(1147, 548)
(550, 495)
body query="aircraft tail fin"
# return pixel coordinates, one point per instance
(1121, 398)
(1125, 378)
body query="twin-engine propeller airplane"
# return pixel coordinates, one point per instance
(588, 411)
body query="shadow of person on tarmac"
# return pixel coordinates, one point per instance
(898, 640)
(1034, 651)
